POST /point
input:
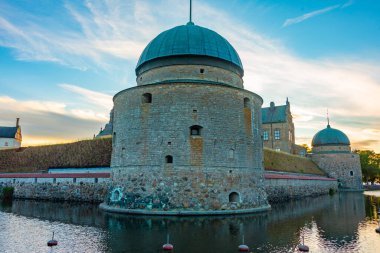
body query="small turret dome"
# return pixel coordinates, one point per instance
(192, 40)
(330, 137)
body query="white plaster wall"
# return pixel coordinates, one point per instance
(12, 143)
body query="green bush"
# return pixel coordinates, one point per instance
(7, 193)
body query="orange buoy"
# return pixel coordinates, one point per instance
(52, 242)
(378, 229)
(303, 247)
(243, 247)
(167, 246)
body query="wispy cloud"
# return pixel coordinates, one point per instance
(292, 21)
(110, 30)
(94, 97)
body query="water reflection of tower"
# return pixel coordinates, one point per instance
(340, 223)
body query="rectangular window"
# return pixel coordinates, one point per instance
(277, 134)
(278, 149)
(265, 136)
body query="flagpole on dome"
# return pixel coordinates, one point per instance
(191, 14)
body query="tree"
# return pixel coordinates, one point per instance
(370, 162)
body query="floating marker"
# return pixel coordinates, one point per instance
(52, 242)
(378, 229)
(243, 247)
(303, 247)
(167, 246)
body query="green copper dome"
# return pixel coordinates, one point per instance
(190, 40)
(330, 136)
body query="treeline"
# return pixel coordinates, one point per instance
(370, 162)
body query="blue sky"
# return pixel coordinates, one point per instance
(62, 61)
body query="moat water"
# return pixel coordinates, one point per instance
(344, 222)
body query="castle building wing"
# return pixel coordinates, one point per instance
(275, 114)
(8, 132)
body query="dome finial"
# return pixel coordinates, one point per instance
(191, 12)
(328, 119)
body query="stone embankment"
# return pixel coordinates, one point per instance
(95, 188)
(284, 186)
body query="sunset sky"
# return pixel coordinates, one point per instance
(61, 62)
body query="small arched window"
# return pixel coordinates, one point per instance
(195, 130)
(168, 159)
(234, 197)
(146, 98)
(231, 153)
(247, 103)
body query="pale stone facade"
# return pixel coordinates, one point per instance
(278, 128)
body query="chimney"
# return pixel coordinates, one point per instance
(17, 122)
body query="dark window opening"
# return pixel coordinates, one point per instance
(201, 71)
(35, 180)
(195, 130)
(96, 180)
(169, 143)
(168, 159)
(147, 98)
(54, 180)
(247, 103)
(74, 180)
(234, 197)
(195, 111)
(351, 173)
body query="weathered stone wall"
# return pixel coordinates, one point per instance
(284, 144)
(279, 190)
(147, 132)
(226, 157)
(330, 148)
(343, 166)
(65, 191)
(191, 188)
(171, 189)
(202, 73)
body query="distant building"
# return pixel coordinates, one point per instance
(331, 151)
(10, 137)
(107, 131)
(278, 127)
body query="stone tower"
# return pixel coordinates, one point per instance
(186, 139)
(331, 151)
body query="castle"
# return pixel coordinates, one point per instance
(187, 138)
(331, 151)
